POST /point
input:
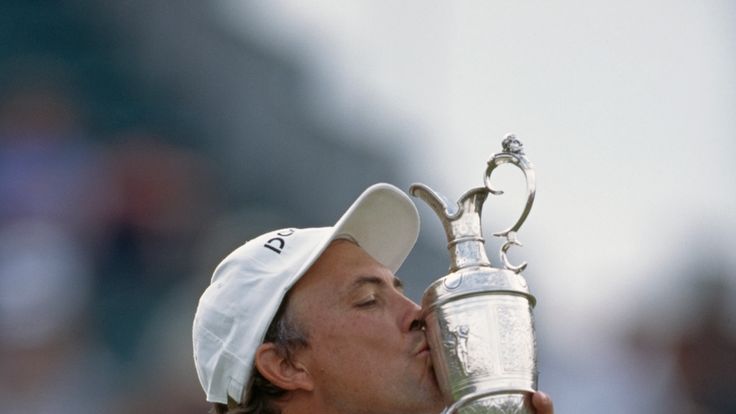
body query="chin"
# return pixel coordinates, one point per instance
(432, 391)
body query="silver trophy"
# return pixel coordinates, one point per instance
(479, 317)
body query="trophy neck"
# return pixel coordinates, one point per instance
(467, 252)
(464, 234)
(462, 225)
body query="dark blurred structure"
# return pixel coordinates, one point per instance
(139, 142)
(705, 352)
(694, 344)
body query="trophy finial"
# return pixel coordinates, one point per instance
(512, 145)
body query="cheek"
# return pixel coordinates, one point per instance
(339, 337)
(342, 337)
(355, 342)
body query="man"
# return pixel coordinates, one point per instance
(314, 320)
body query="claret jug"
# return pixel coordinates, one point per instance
(479, 317)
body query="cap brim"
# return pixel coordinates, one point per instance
(384, 222)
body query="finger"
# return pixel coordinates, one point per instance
(542, 403)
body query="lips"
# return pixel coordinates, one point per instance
(422, 349)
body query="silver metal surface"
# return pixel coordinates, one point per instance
(479, 318)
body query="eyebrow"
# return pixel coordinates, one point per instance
(375, 280)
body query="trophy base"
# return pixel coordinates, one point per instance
(493, 404)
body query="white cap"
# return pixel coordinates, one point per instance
(248, 286)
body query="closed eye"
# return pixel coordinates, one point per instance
(369, 287)
(367, 303)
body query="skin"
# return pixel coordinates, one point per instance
(367, 353)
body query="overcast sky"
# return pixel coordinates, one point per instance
(627, 110)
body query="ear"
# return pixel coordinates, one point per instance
(285, 374)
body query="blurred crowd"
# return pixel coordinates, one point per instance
(106, 240)
(96, 242)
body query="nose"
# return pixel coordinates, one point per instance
(412, 316)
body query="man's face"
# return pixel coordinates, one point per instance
(365, 354)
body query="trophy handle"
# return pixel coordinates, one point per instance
(513, 153)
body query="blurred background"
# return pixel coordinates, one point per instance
(141, 141)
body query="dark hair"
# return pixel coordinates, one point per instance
(288, 337)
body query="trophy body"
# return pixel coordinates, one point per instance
(478, 318)
(482, 341)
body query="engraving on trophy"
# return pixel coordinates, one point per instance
(457, 342)
(453, 281)
(507, 405)
(470, 343)
(497, 404)
(516, 338)
(498, 281)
